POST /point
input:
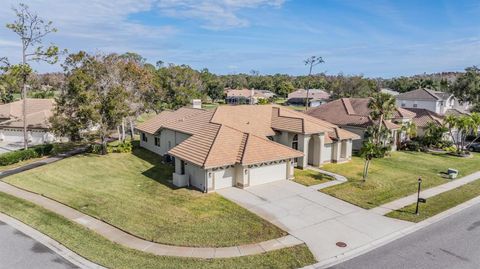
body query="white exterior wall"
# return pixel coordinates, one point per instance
(196, 176)
(168, 140)
(357, 144)
(430, 105)
(327, 153)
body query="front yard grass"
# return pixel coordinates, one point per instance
(309, 177)
(438, 203)
(133, 191)
(394, 177)
(104, 252)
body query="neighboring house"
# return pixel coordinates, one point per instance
(353, 114)
(316, 97)
(244, 96)
(242, 145)
(439, 102)
(38, 113)
(389, 91)
(423, 117)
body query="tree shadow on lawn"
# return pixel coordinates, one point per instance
(160, 172)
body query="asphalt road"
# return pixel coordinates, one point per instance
(18, 251)
(453, 242)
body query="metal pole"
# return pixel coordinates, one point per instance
(418, 194)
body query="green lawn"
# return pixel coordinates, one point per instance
(104, 252)
(438, 203)
(394, 177)
(309, 177)
(134, 193)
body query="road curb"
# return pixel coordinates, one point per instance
(55, 246)
(394, 236)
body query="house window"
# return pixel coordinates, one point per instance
(157, 141)
(182, 167)
(295, 142)
(144, 137)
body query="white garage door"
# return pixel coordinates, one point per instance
(327, 153)
(223, 178)
(268, 173)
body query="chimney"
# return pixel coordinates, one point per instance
(197, 103)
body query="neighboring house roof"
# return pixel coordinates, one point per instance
(244, 93)
(455, 112)
(312, 94)
(353, 112)
(424, 116)
(238, 134)
(156, 123)
(38, 113)
(424, 94)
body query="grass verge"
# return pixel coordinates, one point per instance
(438, 203)
(394, 177)
(104, 252)
(309, 177)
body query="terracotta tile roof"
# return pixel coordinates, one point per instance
(353, 112)
(313, 94)
(153, 125)
(213, 144)
(39, 112)
(244, 93)
(424, 116)
(424, 94)
(238, 134)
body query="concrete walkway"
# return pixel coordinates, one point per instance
(118, 236)
(319, 220)
(339, 179)
(402, 202)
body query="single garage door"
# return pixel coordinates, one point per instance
(268, 173)
(327, 153)
(224, 178)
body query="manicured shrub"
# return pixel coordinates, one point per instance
(95, 148)
(124, 147)
(17, 156)
(43, 150)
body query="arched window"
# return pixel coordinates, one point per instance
(295, 142)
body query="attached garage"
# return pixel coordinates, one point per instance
(224, 178)
(327, 153)
(267, 173)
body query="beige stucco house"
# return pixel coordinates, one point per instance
(242, 145)
(38, 125)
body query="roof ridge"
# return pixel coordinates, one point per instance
(211, 146)
(348, 106)
(247, 136)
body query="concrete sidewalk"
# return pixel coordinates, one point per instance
(118, 236)
(321, 221)
(402, 202)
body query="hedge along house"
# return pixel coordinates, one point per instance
(353, 114)
(242, 145)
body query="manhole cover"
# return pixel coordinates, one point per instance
(341, 244)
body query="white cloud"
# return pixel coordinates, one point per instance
(216, 14)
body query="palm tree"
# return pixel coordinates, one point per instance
(311, 62)
(410, 129)
(368, 151)
(382, 106)
(450, 122)
(475, 125)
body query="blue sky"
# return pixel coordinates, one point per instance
(374, 38)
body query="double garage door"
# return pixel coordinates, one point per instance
(268, 173)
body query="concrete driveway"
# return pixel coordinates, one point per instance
(313, 217)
